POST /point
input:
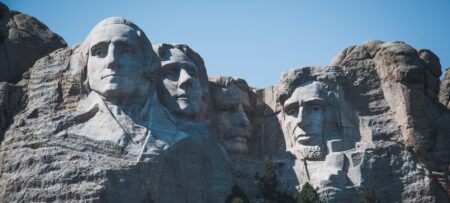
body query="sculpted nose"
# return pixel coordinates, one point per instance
(185, 80)
(111, 58)
(240, 117)
(301, 118)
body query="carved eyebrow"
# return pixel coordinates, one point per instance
(123, 43)
(189, 67)
(314, 101)
(226, 105)
(171, 66)
(98, 45)
(247, 108)
(290, 104)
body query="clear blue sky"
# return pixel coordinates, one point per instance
(257, 40)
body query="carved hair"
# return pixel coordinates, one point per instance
(160, 49)
(223, 81)
(332, 78)
(151, 61)
(293, 78)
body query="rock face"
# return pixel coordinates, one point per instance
(116, 119)
(23, 40)
(401, 86)
(26, 40)
(10, 103)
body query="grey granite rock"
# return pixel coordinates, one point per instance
(11, 98)
(403, 113)
(23, 40)
(26, 40)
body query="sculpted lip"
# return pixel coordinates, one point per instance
(239, 140)
(109, 75)
(182, 97)
(237, 136)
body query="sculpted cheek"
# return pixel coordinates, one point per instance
(170, 85)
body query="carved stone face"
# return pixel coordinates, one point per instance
(232, 104)
(304, 113)
(116, 62)
(179, 85)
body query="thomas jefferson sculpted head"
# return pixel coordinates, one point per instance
(182, 81)
(118, 60)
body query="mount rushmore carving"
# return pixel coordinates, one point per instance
(117, 119)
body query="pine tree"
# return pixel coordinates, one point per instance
(237, 196)
(237, 200)
(283, 197)
(268, 182)
(368, 196)
(308, 194)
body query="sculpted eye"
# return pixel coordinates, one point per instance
(224, 109)
(291, 108)
(125, 48)
(316, 108)
(98, 51)
(226, 106)
(170, 71)
(192, 71)
(292, 111)
(247, 110)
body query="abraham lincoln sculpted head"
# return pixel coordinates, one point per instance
(310, 111)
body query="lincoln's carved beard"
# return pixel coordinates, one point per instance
(309, 152)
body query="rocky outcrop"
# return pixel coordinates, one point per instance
(26, 40)
(403, 83)
(11, 101)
